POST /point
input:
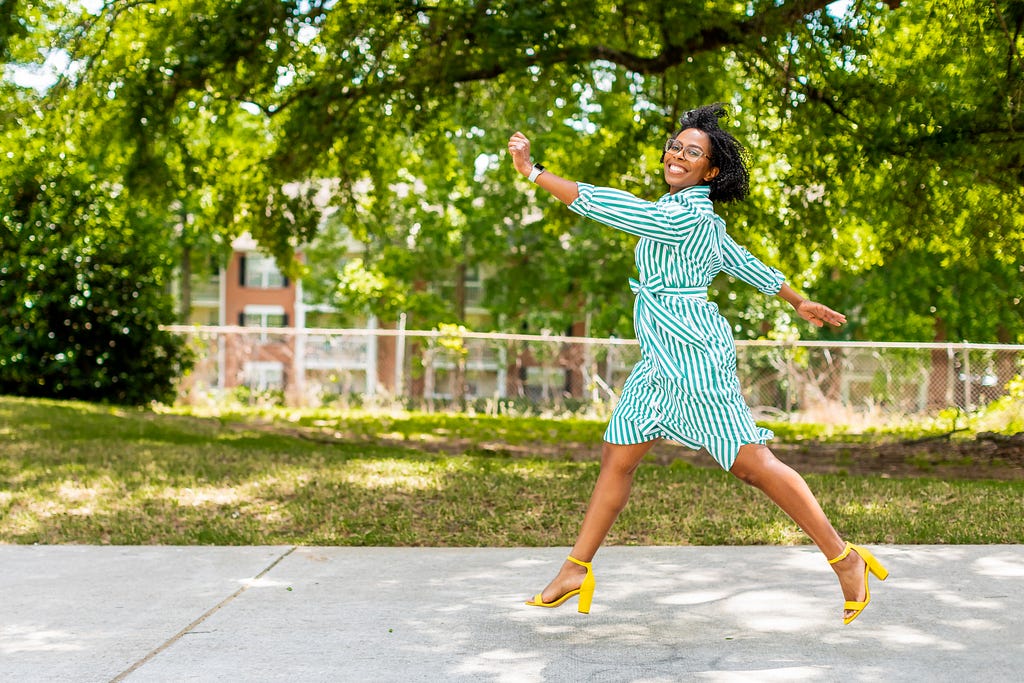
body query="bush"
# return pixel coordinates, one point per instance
(83, 295)
(1005, 414)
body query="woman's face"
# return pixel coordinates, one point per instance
(687, 161)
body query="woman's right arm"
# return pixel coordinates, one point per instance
(564, 190)
(618, 209)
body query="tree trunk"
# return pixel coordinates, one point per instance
(185, 304)
(939, 389)
(459, 380)
(572, 360)
(460, 292)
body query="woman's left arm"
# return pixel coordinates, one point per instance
(811, 311)
(739, 262)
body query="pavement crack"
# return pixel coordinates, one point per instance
(206, 615)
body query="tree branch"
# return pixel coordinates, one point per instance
(709, 39)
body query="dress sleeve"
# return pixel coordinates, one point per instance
(740, 263)
(666, 222)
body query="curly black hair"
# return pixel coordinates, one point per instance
(733, 180)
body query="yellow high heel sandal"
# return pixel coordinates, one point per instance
(585, 591)
(870, 564)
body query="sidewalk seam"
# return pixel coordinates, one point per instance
(206, 615)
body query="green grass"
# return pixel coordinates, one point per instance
(80, 473)
(415, 426)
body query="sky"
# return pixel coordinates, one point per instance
(56, 62)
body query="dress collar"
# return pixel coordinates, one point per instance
(688, 194)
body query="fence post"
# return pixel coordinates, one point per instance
(299, 350)
(609, 364)
(400, 357)
(428, 377)
(967, 377)
(371, 356)
(950, 375)
(501, 387)
(222, 359)
(787, 354)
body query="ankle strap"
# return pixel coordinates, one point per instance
(579, 562)
(846, 551)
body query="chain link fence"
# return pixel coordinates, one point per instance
(823, 382)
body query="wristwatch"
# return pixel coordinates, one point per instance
(535, 173)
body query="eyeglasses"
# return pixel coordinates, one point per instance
(692, 152)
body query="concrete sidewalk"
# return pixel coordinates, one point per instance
(85, 613)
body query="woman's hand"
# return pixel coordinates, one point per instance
(519, 148)
(565, 191)
(819, 314)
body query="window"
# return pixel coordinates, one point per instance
(263, 375)
(474, 287)
(261, 272)
(264, 317)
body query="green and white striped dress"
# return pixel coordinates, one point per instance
(684, 387)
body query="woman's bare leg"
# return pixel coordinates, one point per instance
(757, 465)
(611, 492)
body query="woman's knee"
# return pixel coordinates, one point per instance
(753, 464)
(622, 459)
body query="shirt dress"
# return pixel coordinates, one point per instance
(685, 387)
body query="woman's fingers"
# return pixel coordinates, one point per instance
(518, 144)
(819, 314)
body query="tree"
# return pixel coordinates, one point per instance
(226, 116)
(81, 288)
(909, 191)
(82, 281)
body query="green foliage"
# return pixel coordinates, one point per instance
(902, 149)
(1005, 414)
(885, 146)
(82, 290)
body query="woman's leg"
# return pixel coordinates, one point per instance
(757, 465)
(618, 463)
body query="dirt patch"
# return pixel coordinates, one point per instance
(985, 456)
(974, 459)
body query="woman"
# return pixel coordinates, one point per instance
(685, 387)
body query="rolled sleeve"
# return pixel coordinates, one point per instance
(666, 222)
(581, 204)
(740, 263)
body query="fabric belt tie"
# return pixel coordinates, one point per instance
(656, 285)
(655, 323)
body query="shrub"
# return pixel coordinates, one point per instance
(83, 295)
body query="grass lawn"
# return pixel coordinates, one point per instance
(79, 473)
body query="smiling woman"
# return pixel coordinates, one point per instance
(686, 160)
(685, 388)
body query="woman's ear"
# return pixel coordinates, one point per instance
(711, 174)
